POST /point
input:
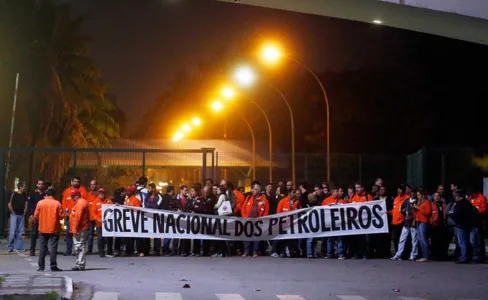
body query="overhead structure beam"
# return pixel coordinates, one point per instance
(395, 15)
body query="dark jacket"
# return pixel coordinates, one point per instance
(462, 212)
(407, 212)
(153, 203)
(34, 198)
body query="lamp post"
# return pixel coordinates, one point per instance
(229, 94)
(292, 120)
(217, 106)
(271, 54)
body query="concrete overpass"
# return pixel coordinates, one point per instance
(465, 20)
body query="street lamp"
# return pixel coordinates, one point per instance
(271, 54)
(228, 92)
(196, 121)
(178, 136)
(186, 128)
(217, 106)
(245, 76)
(270, 131)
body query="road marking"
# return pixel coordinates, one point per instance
(168, 296)
(411, 298)
(351, 297)
(229, 297)
(105, 296)
(290, 297)
(34, 264)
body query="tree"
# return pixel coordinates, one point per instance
(63, 100)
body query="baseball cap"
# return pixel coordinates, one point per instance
(101, 191)
(130, 189)
(75, 192)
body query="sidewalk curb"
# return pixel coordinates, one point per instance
(68, 284)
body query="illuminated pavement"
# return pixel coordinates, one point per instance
(238, 278)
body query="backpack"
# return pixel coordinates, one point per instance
(434, 218)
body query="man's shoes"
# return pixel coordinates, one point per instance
(67, 253)
(32, 253)
(76, 268)
(90, 252)
(40, 270)
(56, 269)
(11, 251)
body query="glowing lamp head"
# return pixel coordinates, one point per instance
(186, 128)
(245, 76)
(178, 136)
(196, 121)
(217, 106)
(270, 54)
(228, 92)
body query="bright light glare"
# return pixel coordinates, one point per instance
(377, 22)
(270, 54)
(196, 121)
(245, 76)
(178, 136)
(228, 92)
(217, 106)
(186, 128)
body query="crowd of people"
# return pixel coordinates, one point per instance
(422, 225)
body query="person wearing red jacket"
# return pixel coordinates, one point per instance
(422, 211)
(80, 225)
(290, 203)
(67, 204)
(476, 235)
(132, 200)
(96, 214)
(334, 200)
(254, 207)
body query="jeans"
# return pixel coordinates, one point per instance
(34, 236)
(80, 241)
(330, 246)
(406, 231)
(102, 241)
(477, 241)
(462, 236)
(251, 247)
(46, 238)
(422, 231)
(91, 236)
(69, 238)
(17, 224)
(310, 244)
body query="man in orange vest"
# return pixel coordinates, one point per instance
(91, 196)
(96, 208)
(48, 215)
(80, 225)
(68, 204)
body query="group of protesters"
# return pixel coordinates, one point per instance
(421, 225)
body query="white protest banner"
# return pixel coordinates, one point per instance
(321, 221)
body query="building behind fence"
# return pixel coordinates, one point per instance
(170, 164)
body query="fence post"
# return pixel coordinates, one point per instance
(360, 164)
(3, 194)
(74, 160)
(213, 166)
(217, 173)
(144, 163)
(204, 165)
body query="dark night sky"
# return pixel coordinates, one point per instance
(141, 45)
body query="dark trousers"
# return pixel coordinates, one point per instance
(185, 246)
(200, 247)
(104, 241)
(438, 240)
(118, 244)
(396, 232)
(143, 245)
(53, 239)
(91, 236)
(360, 246)
(157, 245)
(34, 236)
(129, 246)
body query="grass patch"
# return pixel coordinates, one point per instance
(51, 296)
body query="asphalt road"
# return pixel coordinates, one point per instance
(238, 278)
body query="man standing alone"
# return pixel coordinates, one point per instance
(17, 207)
(48, 214)
(80, 224)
